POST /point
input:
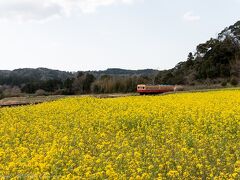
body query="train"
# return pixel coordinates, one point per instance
(157, 89)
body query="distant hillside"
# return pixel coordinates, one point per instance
(124, 72)
(215, 61)
(26, 75)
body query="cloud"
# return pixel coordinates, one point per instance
(189, 16)
(43, 10)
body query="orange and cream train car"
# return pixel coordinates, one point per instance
(157, 89)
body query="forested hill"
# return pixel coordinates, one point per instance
(124, 72)
(215, 61)
(26, 75)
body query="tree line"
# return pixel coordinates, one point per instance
(81, 83)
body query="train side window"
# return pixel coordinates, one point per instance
(143, 87)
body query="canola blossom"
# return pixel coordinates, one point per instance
(178, 136)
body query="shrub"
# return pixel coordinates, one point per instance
(234, 81)
(224, 83)
(40, 92)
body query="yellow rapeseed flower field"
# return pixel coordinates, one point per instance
(178, 136)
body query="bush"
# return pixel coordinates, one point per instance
(40, 92)
(234, 81)
(224, 83)
(11, 92)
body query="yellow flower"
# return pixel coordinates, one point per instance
(172, 173)
(177, 136)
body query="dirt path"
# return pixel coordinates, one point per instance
(31, 100)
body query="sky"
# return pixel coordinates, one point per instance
(75, 35)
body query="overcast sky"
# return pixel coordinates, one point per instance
(99, 34)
